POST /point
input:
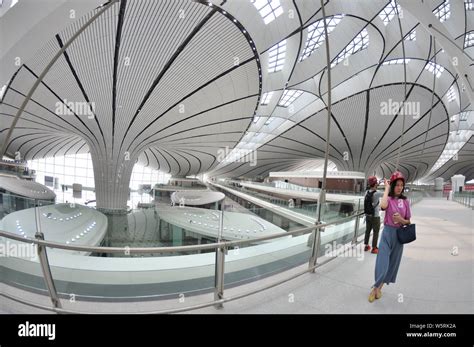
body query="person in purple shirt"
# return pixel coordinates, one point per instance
(397, 213)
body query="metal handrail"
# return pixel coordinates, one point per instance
(219, 298)
(139, 250)
(176, 310)
(221, 247)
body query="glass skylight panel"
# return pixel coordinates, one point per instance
(2, 91)
(456, 141)
(411, 36)
(463, 116)
(289, 96)
(269, 120)
(316, 35)
(360, 42)
(434, 68)
(268, 9)
(451, 94)
(443, 11)
(266, 98)
(389, 12)
(276, 57)
(469, 5)
(395, 61)
(469, 40)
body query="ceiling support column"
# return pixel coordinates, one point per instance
(112, 181)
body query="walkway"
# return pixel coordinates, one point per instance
(431, 280)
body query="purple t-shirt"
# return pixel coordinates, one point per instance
(395, 205)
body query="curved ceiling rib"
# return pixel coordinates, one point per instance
(175, 84)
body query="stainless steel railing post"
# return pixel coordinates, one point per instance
(220, 266)
(356, 229)
(48, 278)
(316, 235)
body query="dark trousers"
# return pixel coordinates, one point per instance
(372, 223)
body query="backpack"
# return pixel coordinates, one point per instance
(368, 199)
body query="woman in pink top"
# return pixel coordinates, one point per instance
(397, 213)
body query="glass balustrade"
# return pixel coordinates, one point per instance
(184, 262)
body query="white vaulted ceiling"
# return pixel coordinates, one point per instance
(177, 83)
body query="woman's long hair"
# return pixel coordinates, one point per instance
(392, 190)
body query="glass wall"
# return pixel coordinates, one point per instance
(65, 170)
(78, 168)
(145, 175)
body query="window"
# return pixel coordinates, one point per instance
(266, 98)
(469, 39)
(463, 116)
(396, 61)
(389, 12)
(360, 42)
(436, 69)
(146, 175)
(451, 94)
(316, 35)
(443, 11)
(268, 9)
(78, 169)
(289, 96)
(276, 57)
(269, 120)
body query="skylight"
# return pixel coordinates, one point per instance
(451, 94)
(360, 42)
(443, 11)
(316, 35)
(289, 96)
(396, 61)
(266, 98)
(456, 141)
(276, 57)
(2, 91)
(469, 5)
(269, 120)
(434, 68)
(469, 39)
(463, 116)
(411, 36)
(389, 12)
(268, 9)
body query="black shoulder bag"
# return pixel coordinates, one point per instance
(406, 233)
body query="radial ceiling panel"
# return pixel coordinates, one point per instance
(176, 84)
(157, 74)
